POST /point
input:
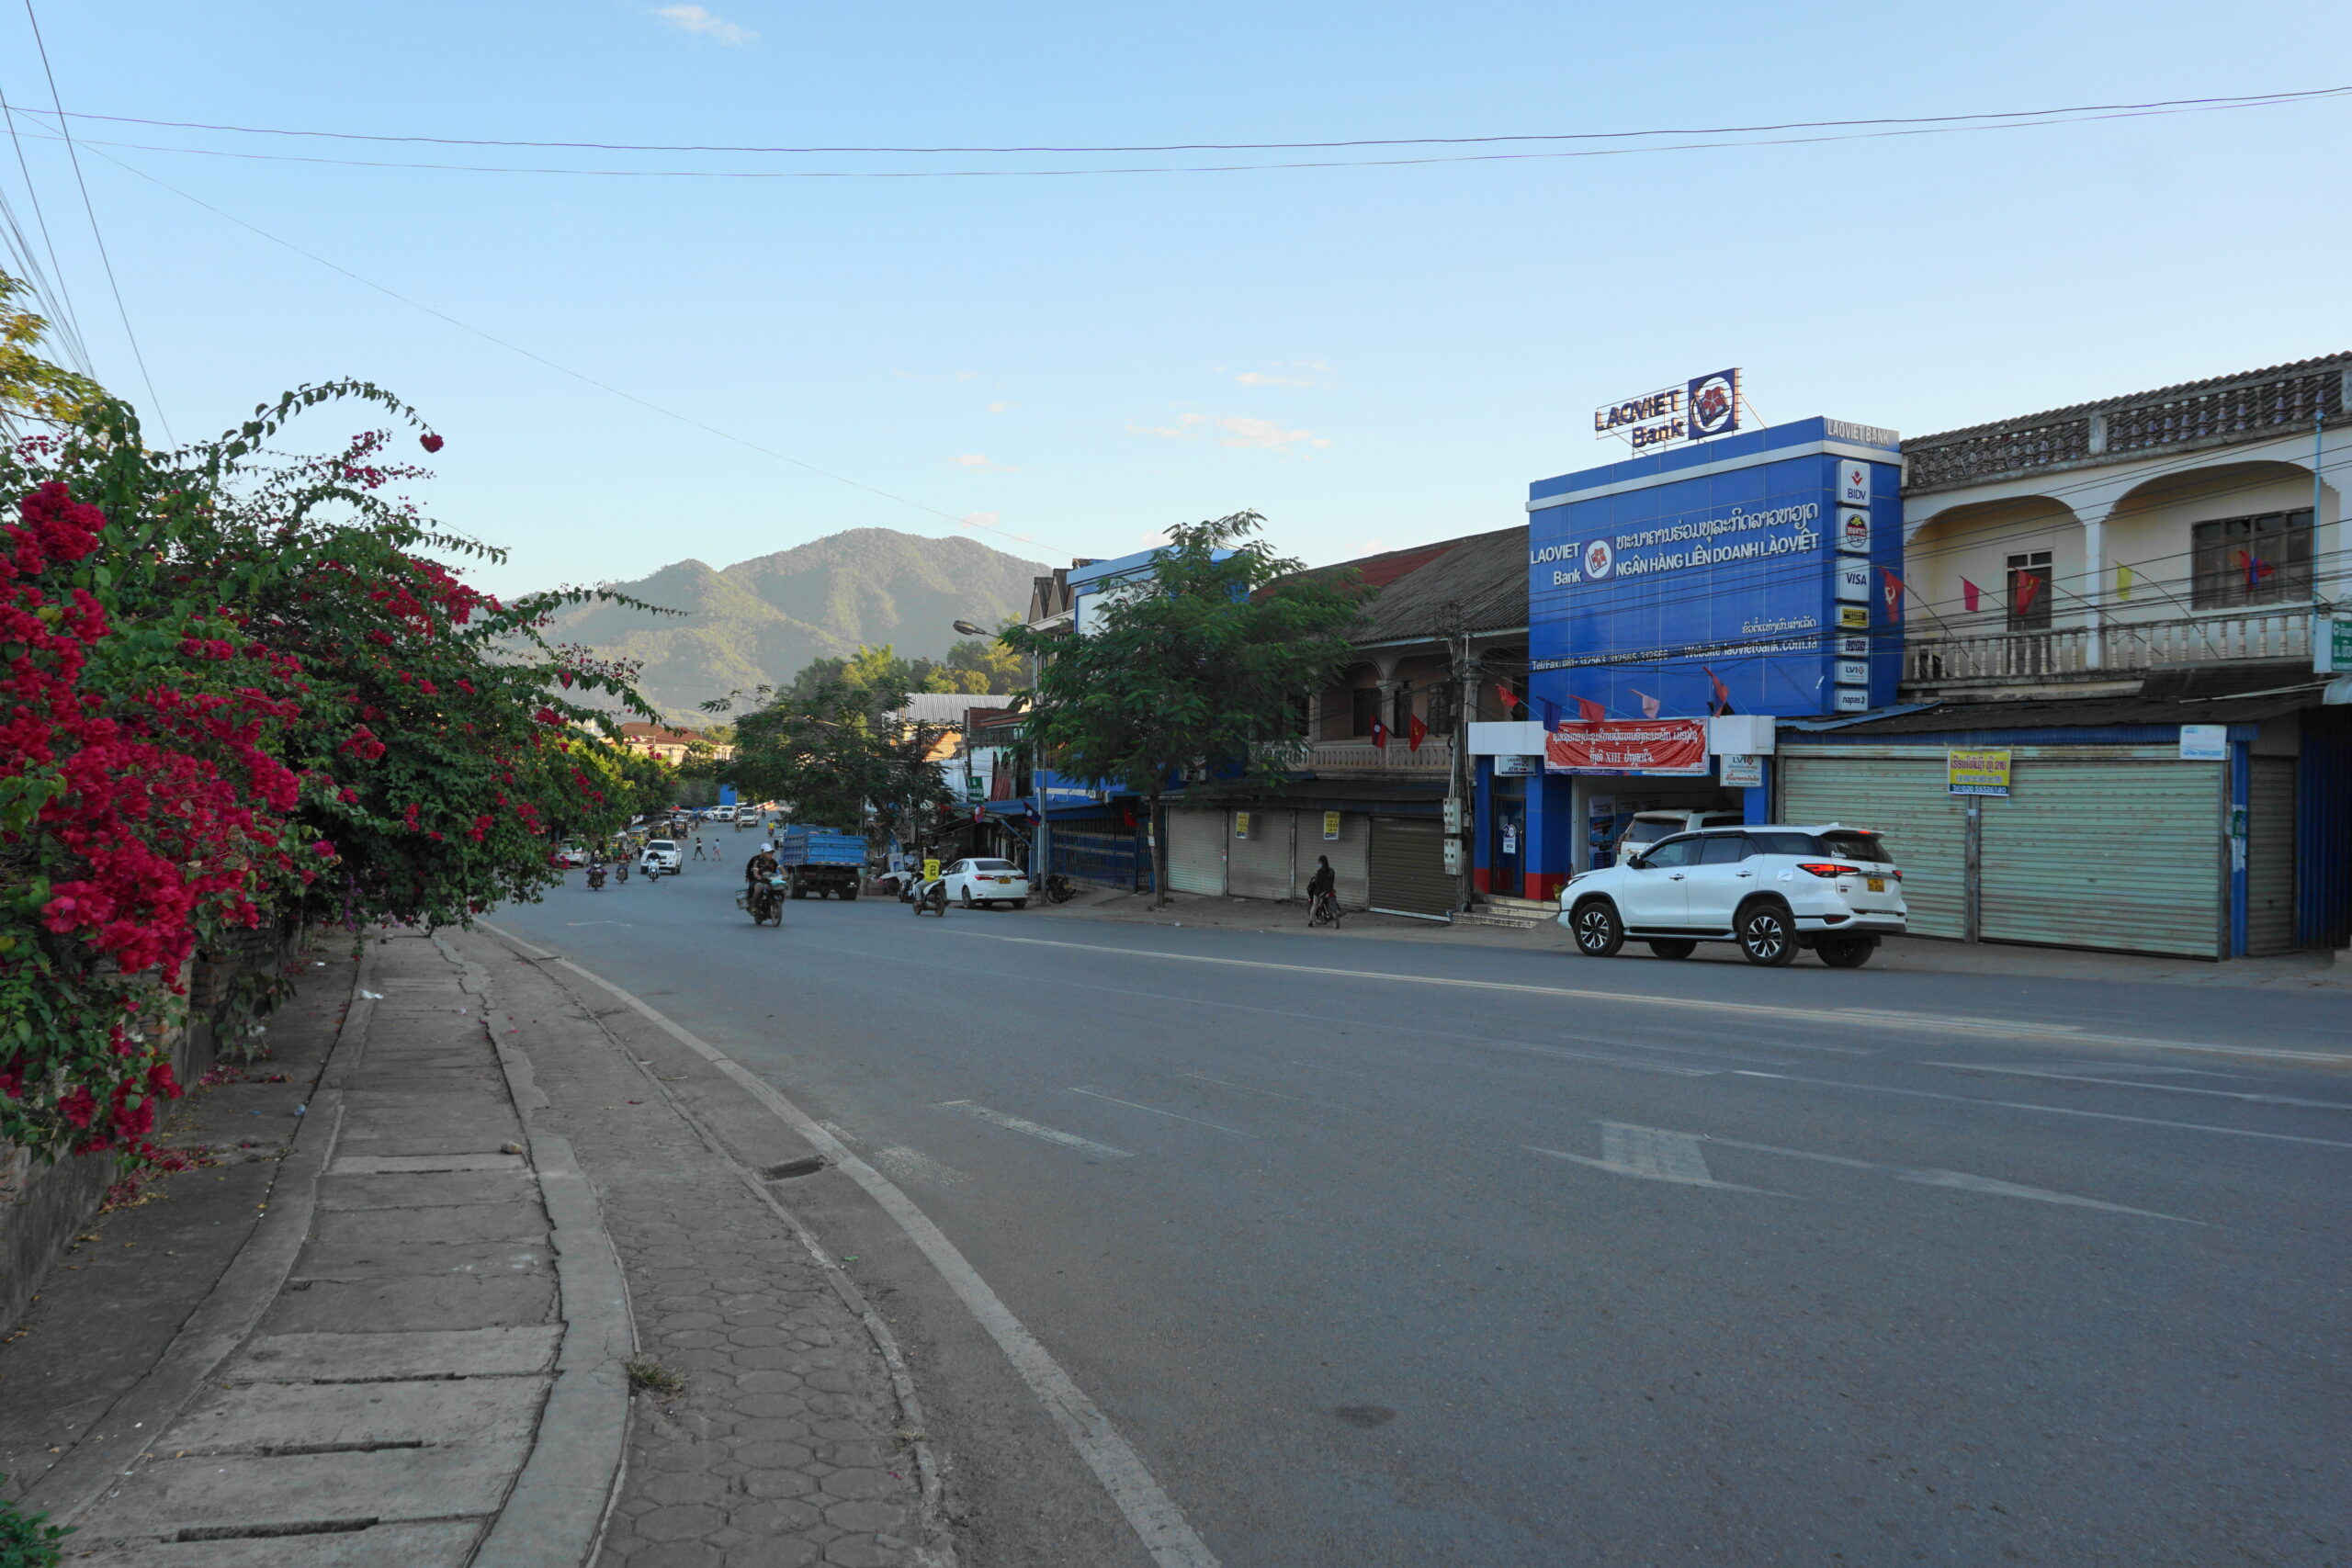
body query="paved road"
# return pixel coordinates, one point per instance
(1384, 1252)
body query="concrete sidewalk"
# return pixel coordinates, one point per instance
(421, 1354)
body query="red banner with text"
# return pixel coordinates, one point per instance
(1628, 746)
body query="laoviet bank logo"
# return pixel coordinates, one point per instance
(1599, 560)
(1714, 404)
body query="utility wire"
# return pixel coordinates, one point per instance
(563, 369)
(60, 303)
(66, 135)
(2194, 108)
(2231, 100)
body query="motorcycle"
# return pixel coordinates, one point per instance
(931, 896)
(595, 879)
(1056, 889)
(621, 873)
(763, 898)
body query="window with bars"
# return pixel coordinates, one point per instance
(2237, 561)
(2029, 591)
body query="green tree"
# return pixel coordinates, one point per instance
(828, 746)
(1203, 664)
(974, 666)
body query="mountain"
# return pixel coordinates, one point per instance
(759, 621)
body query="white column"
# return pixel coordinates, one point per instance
(2095, 571)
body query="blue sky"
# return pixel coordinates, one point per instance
(1372, 357)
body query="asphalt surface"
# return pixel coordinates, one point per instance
(1382, 1252)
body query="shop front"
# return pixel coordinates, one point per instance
(1677, 602)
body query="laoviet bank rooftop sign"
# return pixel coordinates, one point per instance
(1757, 571)
(1702, 407)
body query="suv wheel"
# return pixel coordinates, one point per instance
(1846, 952)
(1599, 932)
(1766, 935)
(1673, 947)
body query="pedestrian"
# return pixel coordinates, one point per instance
(698, 849)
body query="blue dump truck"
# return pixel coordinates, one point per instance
(819, 860)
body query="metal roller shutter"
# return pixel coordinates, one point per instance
(1099, 849)
(1259, 865)
(2113, 854)
(2270, 857)
(1350, 855)
(1409, 867)
(1902, 797)
(1196, 851)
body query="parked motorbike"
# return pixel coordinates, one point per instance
(595, 879)
(1056, 889)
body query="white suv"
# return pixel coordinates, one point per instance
(1772, 890)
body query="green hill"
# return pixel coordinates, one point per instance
(759, 621)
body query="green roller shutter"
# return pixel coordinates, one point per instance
(1905, 798)
(1409, 867)
(2270, 858)
(2121, 855)
(1196, 851)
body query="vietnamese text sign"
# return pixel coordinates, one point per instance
(1977, 773)
(1617, 746)
(1742, 771)
(2204, 742)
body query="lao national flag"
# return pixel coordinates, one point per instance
(1415, 732)
(1030, 814)
(1722, 703)
(1380, 734)
(1590, 711)
(2257, 568)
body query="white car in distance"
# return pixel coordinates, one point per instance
(972, 883)
(1773, 890)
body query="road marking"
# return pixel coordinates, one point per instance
(1172, 1116)
(1651, 1154)
(1812, 1017)
(1153, 1515)
(1986, 1184)
(2050, 1110)
(913, 1165)
(2166, 1088)
(1948, 1178)
(1035, 1130)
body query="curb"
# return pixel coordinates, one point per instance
(554, 1516)
(227, 1317)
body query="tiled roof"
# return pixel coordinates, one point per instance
(1485, 573)
(2127, 399)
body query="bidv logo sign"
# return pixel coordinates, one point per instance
(1671, 416)
(1599, 560)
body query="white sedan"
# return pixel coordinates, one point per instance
(972, 883)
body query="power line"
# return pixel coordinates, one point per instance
(54, 293)
(2193, 107)
(563, 369)
(104, 260)
(2229, 100)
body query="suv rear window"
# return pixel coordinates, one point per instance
(1852, 844)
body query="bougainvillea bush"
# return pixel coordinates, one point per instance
(240, 685)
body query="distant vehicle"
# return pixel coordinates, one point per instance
(659, 858)
(573, 853)
(1773, 890)
(822, 862)
(972, 883)
(720, 814)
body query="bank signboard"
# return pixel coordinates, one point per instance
(1760, 571)
(1699, 409)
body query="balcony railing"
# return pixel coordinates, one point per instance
(1359, 756)
(2081, 653)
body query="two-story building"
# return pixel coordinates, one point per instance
(2119, 600)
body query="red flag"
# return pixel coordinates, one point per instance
(2257, 568)
(1379, 734)
(1590, 711)
(2027, 586)
(1415, 732)
(1968, 592)
(1511, 699)
(1649, 703)
(1894, 594)
(1722, 702)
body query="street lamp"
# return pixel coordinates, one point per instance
(969, 629)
